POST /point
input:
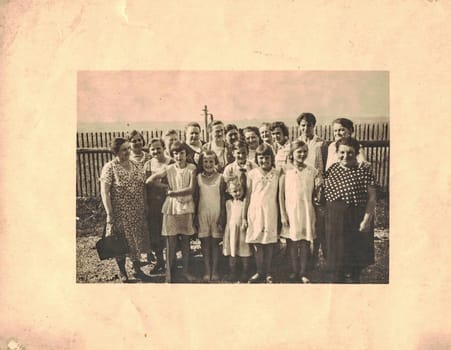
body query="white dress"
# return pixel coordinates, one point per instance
(299, 185)
(263, 209)
(234, 243)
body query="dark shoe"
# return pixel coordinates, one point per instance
(257, 278)
(123, 277)
(159, 267)
(139, 274)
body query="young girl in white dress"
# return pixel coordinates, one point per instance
(298, 186)
(261, 212)
(178, 208)
(234, 242)
(210, 213)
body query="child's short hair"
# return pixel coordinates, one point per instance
(347, 123)
(282, 127)
(178, 146)
(213, 124)
(133, 133)
(156, 139)
(308, 117)
(234, 180)
(265, 150)
(294, 146)
(237, 145)
(350, 142)
(203, 154)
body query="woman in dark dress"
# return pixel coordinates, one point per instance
(350, 193)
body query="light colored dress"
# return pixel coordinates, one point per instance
(263, 210)
(281, 155)
(209, 208)
(178, 211)
(127, 199)
(299, 186)
(234, 242)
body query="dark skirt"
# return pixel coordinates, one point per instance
(347, 247)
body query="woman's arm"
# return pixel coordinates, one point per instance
(106, 200)
(369, 211)
(282, 206)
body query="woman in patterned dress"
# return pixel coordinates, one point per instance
(350, 192)
(137, 143)
(123, 196)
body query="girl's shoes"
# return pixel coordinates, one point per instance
(206, 278)
(123, 277)
(269, 279)
(257, 278)
(305, 280)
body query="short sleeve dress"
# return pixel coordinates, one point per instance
(346, 192)
(178, 211)
(127, 199)
(299, 185)
(263, 211)
(234, 242)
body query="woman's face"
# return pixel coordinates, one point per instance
(306, 129)
(240, 155)
(217, 132)
(156, 150)
(340, 131)
(251, 139)
(192, 135)
(347, 156)
(232, 136)
(209, 164)
(299, 155)
(277, 135)
(179, 157)
(264, 162)
(124, 152)
(137, 143)
(265, 134)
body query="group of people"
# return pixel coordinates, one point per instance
(240, 193)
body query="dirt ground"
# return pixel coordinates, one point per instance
(90, 221)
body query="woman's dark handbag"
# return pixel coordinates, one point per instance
(111, 246)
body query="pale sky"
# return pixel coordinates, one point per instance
(146, 96)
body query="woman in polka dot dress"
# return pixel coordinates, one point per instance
(350, 193)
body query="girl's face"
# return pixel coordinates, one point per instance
(179, 157)
(192, 135)
(170, 139)
(251, 139)
(217, 132)
(137, 143)
(265, 134)
(277, 135)
(240, 155)
(264, 162)
(347, 156)
(235, 190)
(124, 152)
(156, 150)
(306, 129)
(299, 155)
(209, 164)
(340, 131)
(232, 136)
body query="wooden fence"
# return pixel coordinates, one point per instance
(93, 152)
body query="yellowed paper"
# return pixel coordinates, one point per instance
(44, 45)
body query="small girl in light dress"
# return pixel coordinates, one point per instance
(234, 243)
(178, 207)
(298, 186)
(210, 213)
(261, 212)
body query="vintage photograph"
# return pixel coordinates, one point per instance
(256, 177)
